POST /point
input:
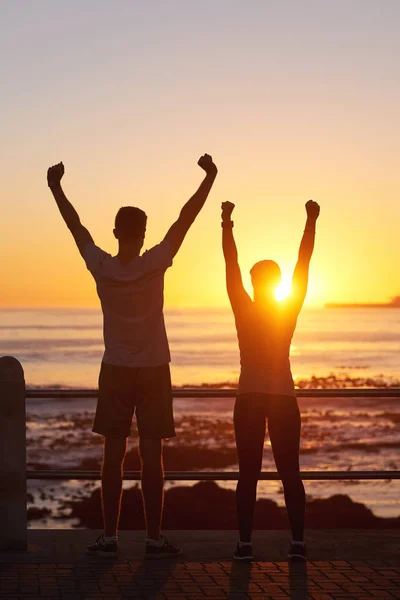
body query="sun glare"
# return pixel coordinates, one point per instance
(283, 290)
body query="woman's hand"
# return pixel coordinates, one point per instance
(227, 209)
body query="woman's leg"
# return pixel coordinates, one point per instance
(250, 423)
(284, 425)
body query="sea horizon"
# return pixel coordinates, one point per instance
(62, 347)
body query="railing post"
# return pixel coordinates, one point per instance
(13, 518)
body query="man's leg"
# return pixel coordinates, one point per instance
(111, 483)
(152, 484)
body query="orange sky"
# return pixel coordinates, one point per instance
(294, 102)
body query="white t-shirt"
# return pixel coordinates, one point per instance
(132, 299)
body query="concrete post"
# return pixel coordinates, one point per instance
(13, 520)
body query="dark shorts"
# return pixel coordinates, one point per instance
(125, 391)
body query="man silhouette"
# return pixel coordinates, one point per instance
(265, 329)
(134, 375)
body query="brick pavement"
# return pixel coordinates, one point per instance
(110, 580)
(56, 567)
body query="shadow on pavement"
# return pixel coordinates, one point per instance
(298, 586)
(239, 580)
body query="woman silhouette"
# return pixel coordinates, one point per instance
(266, 391)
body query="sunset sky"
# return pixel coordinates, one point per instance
(294, 100)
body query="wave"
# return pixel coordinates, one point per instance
(342, 381)
(364, 446)
(332, 381)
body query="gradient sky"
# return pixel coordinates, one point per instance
(294, 100)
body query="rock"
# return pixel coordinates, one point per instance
(208, 506)
(35, 513)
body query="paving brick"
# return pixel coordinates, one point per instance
(88, 579)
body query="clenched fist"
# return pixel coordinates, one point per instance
(227, 209)
(206, 163)
(55, 174)
(312, 209)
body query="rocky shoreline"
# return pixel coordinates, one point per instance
(206, 505)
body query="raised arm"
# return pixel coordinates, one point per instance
(300, 275)
(81, 235)
(189, 212)
(234, 285)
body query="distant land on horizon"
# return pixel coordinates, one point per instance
(394, 303)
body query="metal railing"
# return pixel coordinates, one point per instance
(215, 475)
(180, 393)
(211, 393)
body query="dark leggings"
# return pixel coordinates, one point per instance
(284, 423)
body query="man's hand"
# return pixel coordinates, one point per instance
(206, 163)
(55, 174)
(81, 235)
(227, 209)
(312, 209)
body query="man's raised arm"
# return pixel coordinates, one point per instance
(81, 235)
(189, 212)
(234, 285)
(300, 275)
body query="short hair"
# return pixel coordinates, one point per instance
(130, 223)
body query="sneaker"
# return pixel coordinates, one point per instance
(243, 553)
(297, 552)
(103, 548)
(165, 550)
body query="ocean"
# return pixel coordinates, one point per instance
(331, 348)
(62, 347)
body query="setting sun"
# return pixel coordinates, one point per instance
(283, 290)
